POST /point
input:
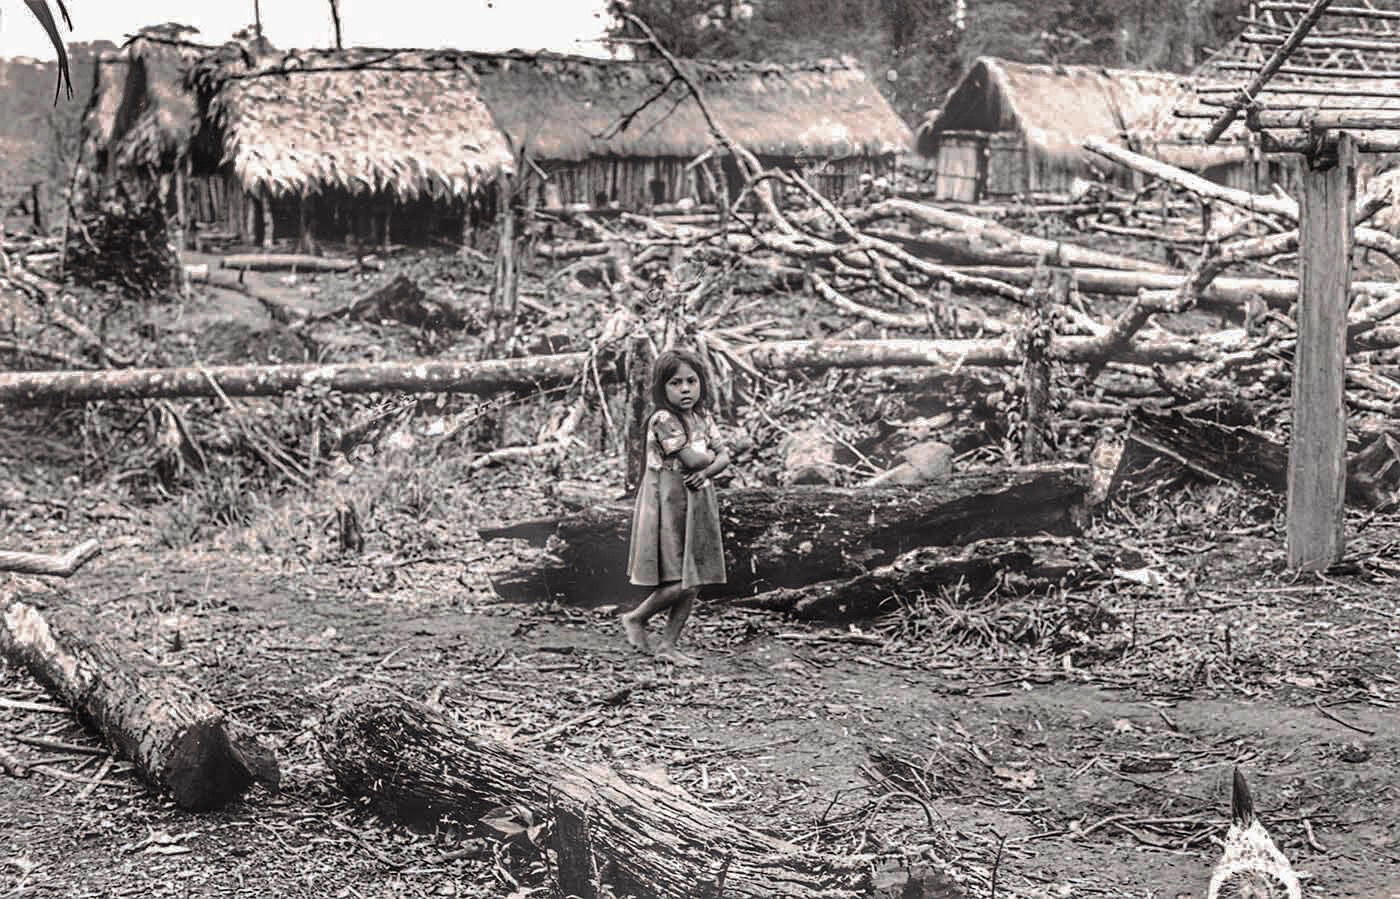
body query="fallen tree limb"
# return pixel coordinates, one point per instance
(423, 376)
(973, 570)
(1229, 453)
(415, 765)
(179, 741)
(976, 239)
(1278, 293)
(1282, 206)
(283, 262)
(791, 537)
(50, 564)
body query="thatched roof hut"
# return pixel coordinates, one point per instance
(1050, 109)
(141, 113)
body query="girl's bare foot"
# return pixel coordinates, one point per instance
(666, 652)
(636, 632)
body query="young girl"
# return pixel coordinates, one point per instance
(675, 529)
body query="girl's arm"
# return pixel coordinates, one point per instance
(694, 459)
(698, 479)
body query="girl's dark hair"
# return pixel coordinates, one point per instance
(664, 368)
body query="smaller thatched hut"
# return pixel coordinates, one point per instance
(141, 114)
(1010, 128)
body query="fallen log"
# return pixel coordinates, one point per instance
(977, 239)
(791, 537)
(536, 372)
(421, 376)
(1279, 293)
(287, 262)
(1016, 566)
(50, 564)
(1222, 452)
(179, 741)
(415, 765)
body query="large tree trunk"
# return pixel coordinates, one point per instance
(422, 376)
(1020, 565)
(178, 739)
(796, 536)
(415, 765)
(530, 372)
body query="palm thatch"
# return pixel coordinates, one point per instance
(109, 74)
(1053, 108)
(415, 122)
(361, 121)
(573, 108)
(154, 114)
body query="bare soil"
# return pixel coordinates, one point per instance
(1094, 777)
(1077, 744)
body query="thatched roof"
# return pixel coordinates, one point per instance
(142, 112)
(359, 120)
(1054, 107)
(436, 122)
(571, 108)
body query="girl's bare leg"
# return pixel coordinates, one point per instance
(675, 622)
(634, 623)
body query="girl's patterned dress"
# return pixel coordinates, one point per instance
(675, 530)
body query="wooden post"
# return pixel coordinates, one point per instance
(1317, 449)
(1050, 287)
(505, 291)
(265, 203)
(36, 200)
(637, 375)
(182, 228)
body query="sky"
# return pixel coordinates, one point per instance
(570, 26)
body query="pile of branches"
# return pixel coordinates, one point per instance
(124, 242)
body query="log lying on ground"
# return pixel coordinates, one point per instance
(422, 376)
(1279, 293)
(415, 765)
(535, 372)
(795, 536)
(50, 564)
(1225, 453)
(973, 570)
(976, 239)
(178, 739)
(285, 262)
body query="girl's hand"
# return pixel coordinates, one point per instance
(696, 479)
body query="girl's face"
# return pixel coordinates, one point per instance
(683, 388)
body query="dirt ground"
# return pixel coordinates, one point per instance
(1076, 744)
(1069, 777)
